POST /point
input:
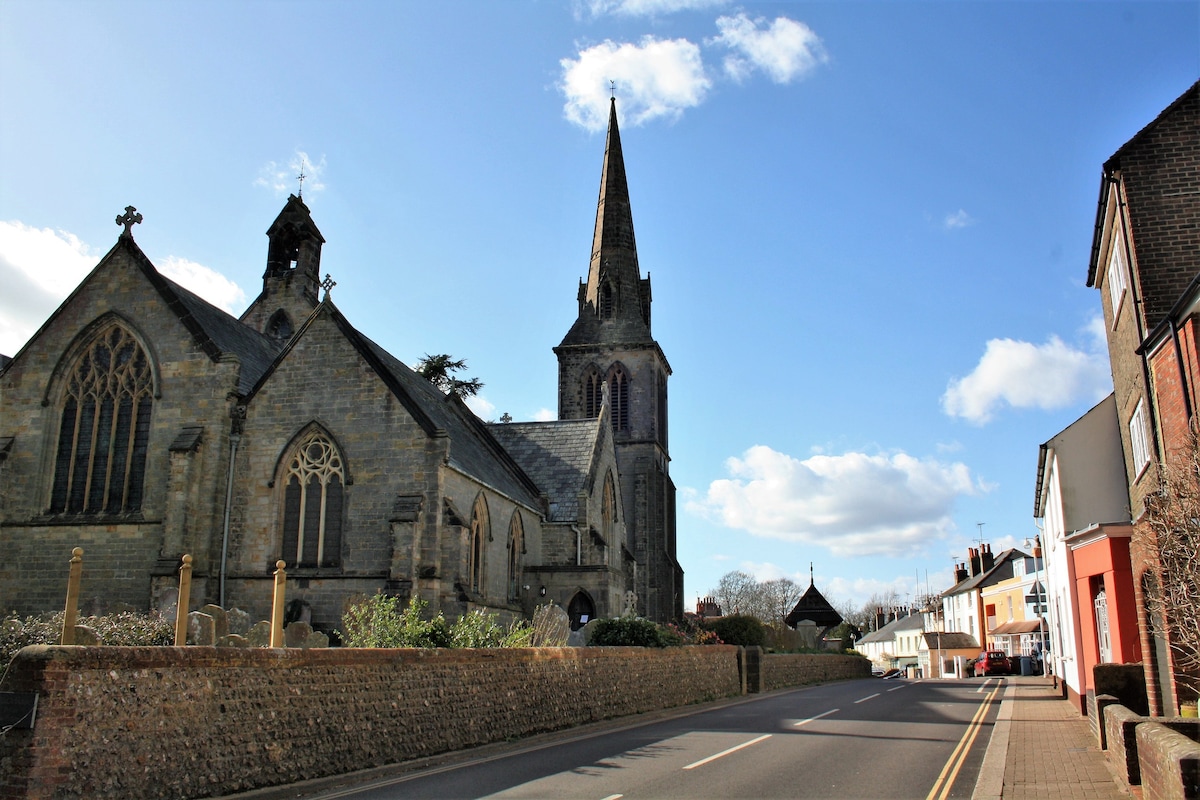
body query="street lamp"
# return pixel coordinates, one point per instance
(1040, 603)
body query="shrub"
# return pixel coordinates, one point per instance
(739, 629)
(376, 621)
(126, 629)
(691, 631)
(630, 632)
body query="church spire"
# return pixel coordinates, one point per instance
(614, 294)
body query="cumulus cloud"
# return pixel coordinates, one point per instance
(854, 504)
(786, 50)
(655, 78)
(208, 283)
(646, 8)
(481, 406)
(39, 267)
(1026, 375)
(956, 220)
(283, 178)
(544, 415)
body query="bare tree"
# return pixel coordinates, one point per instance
(738, 593)
(1173, 515)
(778, 598)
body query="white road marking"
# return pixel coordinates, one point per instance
(865, 699)
(897, 688)
(704, 761)
(818, 716)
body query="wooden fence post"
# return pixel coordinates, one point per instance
(72, 612)
(277, 605)
(181, 605)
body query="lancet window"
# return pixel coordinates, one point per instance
(313, 500)
(516, 551)
(480, 533)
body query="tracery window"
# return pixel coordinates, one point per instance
(480, 532)
(516, 550)
(280, 326)
(100, 465)
(313, 499)
(618, 395)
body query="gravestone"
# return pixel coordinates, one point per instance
(220, 620)
(296, 634)
(87, 637)
(259, 634)
(233, 640)
(201, 629)
(239, 621)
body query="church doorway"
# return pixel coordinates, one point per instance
(581, 610)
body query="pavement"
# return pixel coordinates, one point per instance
(1042, 748)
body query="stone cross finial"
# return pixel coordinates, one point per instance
(328, 284)
(301, 177)
(129, 219)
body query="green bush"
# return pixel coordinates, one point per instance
(739, 629)
(126, 629)
(630, 632)
(376, 621)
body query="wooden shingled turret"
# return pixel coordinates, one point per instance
(813, 607)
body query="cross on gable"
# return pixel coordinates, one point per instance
(129, 219)
(328, 284)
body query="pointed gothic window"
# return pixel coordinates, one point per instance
(516, 551)
(100, 464)
(608, 510)
(280, 326)
(480, 533)
(618, 395)
(313, 498)
(593, 394)
(606, 301)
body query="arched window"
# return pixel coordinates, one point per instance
(313, 498)
(480, 533)
(593, 393)
(280, 326)
(608, 509)
(516, 550)
(100, 464)
(606, 301)
(618, 395)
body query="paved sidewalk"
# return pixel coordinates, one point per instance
(1042, 748)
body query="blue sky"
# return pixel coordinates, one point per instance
(867, 224)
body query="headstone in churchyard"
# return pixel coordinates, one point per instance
(259, 634)
(296, 634)
(630, 609)
(233, 640)
(576, 639)
(589, 629)
(201, 629)
(239, 621)
(316, 639)
(551, 627)
(87, 637)
(220, 620)
(167, 602)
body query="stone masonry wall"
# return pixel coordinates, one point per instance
(780, 671)
(197, 722)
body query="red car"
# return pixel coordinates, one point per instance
(991, 662)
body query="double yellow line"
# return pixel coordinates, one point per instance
(941, 787)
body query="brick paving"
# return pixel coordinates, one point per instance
(1049, 750)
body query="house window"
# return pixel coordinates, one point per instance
(1138, 439)
(479, 534)
(1117, 284)
(618, 395)
(313, 498)
(100, 465)
(516, 550)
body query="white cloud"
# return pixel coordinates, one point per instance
(544, 415)
(854, 504)
(654, 78)
(646, 8)
(958, 219)
(209, 284)
(39, 267)
(784, 49)
(284, 178)
(1026, 375)
(481, 406)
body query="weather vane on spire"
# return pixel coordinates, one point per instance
(612, 89)
(301, 177)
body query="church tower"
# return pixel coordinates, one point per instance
(609, 355)
(293, 275)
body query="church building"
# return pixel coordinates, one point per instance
(142, 423)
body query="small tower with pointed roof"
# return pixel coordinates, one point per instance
(292, 280)
(610, 356)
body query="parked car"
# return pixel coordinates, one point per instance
(990, 662)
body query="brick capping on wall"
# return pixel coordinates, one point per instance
(183, 722)
(1145, 754)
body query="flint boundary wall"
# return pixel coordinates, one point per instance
(167, 722)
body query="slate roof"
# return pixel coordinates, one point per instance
(1000, 570)
(558, 456)
(937, 640)
(889, 631)
(813, 607)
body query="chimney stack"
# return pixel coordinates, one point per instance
(987, 560)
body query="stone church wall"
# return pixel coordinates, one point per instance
(192, 391)
(167, 722)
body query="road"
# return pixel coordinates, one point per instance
(859, 739)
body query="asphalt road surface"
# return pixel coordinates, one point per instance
(860, 739)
